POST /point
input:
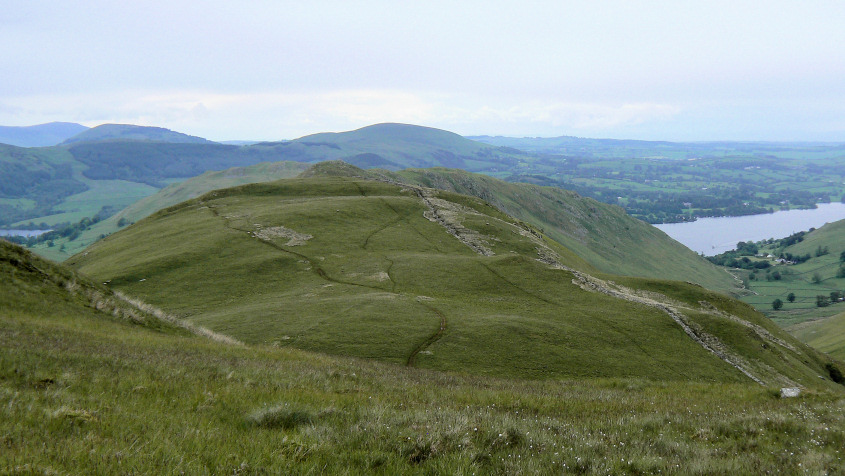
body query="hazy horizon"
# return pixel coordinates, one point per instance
(697, 71)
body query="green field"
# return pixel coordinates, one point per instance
(815, 277)
(91, 384)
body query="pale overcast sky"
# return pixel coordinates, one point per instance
(265, 70)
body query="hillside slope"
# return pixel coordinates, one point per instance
(431, 279)
(85, 392)
(826, 335)
(817, 276)
(603, 235)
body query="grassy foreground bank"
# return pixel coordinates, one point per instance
(84, 392)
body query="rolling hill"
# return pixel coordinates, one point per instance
(603, 235)
(429, 278)
(599, 233)
(817, 276)
(42, 135)
(111, 132)
(103, 386)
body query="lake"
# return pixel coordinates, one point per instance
(26, 233)
(712, 236)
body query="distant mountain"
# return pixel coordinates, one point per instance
(107, 132)
(398, 146)
(42, 135)
(155, 156)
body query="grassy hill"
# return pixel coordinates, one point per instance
(428, 278)
(398, 146)
(599, 233)
(42, 135)
(85, 391)
(109, 132)
(603, 235)
(826, 334)
(64, 248)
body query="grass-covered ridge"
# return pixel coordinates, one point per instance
(428, 278)
(83, 392)
(603, 235)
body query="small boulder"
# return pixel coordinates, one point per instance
(788, 392)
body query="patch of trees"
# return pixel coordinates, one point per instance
(739, 258)
(151, 162)
(71, 231)
(24, 174)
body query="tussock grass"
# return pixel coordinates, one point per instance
(85, 392)
(80, 394)
(281, 416)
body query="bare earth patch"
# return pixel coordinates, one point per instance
(295, 238)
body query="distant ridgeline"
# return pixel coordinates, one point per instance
(654, 181)
(37, 181)
(666, 182)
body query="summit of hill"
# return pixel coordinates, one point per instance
(106, 132)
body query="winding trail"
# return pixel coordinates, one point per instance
(432, 339)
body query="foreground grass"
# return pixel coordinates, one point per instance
(112, 397)
(83, 392)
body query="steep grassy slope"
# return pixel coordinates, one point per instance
(604, 235)
(601, 234)
(107, 132)
(427, 278)
(84, 392)
(42, 135)
(826, 335)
